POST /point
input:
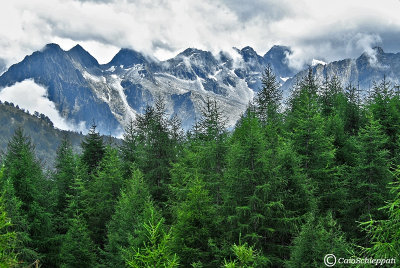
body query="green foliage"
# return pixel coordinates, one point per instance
(246, 257)
(127, 219)
(196, 223)
(93, 149)
(77, 249)
(307, 130)
(385, 234)
(319, 236)
(156, 250)
(29, 185)
(246, 172)
(371, 175)
(291, 182)
(8, 256)
(102, 194)
(157, 149)
(269, 97)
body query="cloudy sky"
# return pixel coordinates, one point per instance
(320, 29)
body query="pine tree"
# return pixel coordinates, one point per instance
(157, 149)
(246, 170)
(129, 149)
(128, 217)
(319, 236)
(370, 177)
(307, 130)
(8, 242)
(22, 168)
(65, 167)
(77, 249)
(195, 225)
(353, 115)
(24, 172)
(208, 148)
(93, 149)
(269, 97)
(102, 195)
(384, 106)
(384, 234)
(12, 206)
(64, 172)
(156, 249)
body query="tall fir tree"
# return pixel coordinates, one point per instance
(157, 149)
(319, 236)
(384, 234)
(307, 130)
(370, 177)
(93, 149)
(102, 195)
(269, 97)
(195, 225)
(8, 237)
(77, 249)
(25, 173)
(127, 219)
(156, 250)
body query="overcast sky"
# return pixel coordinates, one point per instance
(320, 29)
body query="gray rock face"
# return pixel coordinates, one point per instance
(114, 93)
(363, 71)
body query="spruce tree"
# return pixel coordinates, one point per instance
(8, 242)
(65, 167)
(157, 150)
(93, 149)
(23, 170)
(77, 249)
(129, 149)
(307, 130)
(319, 236)
(128, 217)
(371, 175)
(269, 97)
(156, 249)
(195, 225)
(102, 195)
(64, 172)
(384, 234)
(12, 206)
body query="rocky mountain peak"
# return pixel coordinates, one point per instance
(127, 57)
(80, 54)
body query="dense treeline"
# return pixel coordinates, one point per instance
(291, 183)
(40, 130)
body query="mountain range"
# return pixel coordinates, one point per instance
(111, 94)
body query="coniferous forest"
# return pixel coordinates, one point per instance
(294, 180)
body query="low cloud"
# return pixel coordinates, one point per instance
(313, 29)
(32, 97)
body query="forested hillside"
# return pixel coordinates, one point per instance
(39, 128)
(289, 184)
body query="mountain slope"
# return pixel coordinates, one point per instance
(60, 72)
(44, 136)
(363, 71)
(112, 94)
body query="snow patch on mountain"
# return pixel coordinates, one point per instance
(316, 62)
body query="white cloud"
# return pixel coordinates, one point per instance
(32, 97)
(313, 28)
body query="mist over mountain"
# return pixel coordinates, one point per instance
(111, 94)
(372, 66)
(84, 91)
